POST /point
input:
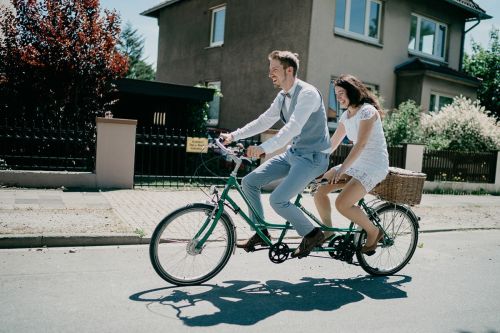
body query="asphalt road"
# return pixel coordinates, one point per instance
(451, 285)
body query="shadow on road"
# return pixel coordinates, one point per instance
(248, 302)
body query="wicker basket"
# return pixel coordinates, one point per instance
(401, 186)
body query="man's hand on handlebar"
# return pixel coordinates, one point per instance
(251, 152)
(255, 151)
(226, 138)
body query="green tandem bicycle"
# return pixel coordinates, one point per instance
(193, 243)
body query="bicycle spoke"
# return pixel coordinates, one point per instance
(176, 256)
(396, 250)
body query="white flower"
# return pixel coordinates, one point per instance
(464, 124)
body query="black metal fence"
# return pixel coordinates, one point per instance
(161, 160)
(45, 145)
(459, 166)
(397, 155)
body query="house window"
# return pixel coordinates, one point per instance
(214, 110)
(427, 37)
(437, 101)
(359, 18)
(217, 26)
(333, 112)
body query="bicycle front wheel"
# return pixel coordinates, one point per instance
(174, 252)
(397, 246)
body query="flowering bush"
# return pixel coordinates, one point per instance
(461, 126)
(402, 125)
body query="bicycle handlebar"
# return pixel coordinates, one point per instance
(236, 155)
(318, 182)
(221, 146)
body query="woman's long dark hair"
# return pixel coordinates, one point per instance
(357, 92)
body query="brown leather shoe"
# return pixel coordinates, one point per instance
(369, 248)
(249, 244)
(312, 239)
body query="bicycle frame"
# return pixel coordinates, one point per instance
(232, 183)
(186, 259)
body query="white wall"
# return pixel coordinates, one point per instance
(114, 162)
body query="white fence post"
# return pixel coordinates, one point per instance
(115, 153)
(414, 157)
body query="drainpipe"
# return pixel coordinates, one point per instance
(461, 63)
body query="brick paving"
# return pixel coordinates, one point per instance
(36, 211)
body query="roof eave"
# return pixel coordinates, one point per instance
(164, 89)
(155, 11)
(418, 64)
(479, 14)
(471, 81)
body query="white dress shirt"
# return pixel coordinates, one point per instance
(308, 101)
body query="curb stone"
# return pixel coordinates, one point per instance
(28, 241)
(36, 241)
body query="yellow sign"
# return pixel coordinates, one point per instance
(197, 145)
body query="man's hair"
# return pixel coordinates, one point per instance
(287, 59)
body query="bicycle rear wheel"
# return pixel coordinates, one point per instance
(396, 248)
(173, 251)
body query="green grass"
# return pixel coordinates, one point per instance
(140, 232)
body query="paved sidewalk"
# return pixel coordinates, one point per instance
(34, 217)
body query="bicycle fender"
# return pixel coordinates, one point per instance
(403, 207)
(211, 205)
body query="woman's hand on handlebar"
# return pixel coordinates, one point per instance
(336, 176)
(330, 175)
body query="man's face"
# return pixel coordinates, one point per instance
(277, 73)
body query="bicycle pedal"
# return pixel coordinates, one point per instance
(249, 249)
(300, 256)
(253, 248)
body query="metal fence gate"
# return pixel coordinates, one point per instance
(459, 166)
(161, 160)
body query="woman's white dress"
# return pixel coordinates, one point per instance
(372, 165)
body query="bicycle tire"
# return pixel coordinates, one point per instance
(172, 246)
(396, 248)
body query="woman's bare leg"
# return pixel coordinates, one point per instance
(345, 204)
(322, 202)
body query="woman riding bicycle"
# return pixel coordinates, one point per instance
(367, 163)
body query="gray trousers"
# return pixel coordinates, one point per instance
(298, 170)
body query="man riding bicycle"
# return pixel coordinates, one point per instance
(300, 107)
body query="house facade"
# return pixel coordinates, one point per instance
(402, 49)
